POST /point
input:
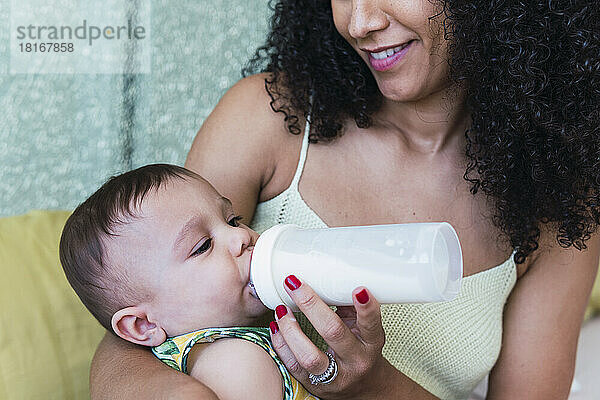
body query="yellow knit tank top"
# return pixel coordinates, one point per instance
(447, 348)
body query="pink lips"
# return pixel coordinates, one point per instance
(389, 62)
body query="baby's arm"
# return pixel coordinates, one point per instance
(236, 369)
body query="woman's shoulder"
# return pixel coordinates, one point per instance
(244, 125)
(245, 112)
(243, 144)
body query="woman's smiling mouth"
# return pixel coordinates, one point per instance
(387, 58)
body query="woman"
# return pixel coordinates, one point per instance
(481, 113)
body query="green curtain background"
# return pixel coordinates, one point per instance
(61, 136)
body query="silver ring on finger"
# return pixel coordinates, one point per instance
(328, 376)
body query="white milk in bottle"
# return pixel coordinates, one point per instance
(398, 263)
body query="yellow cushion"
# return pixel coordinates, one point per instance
(47, 337)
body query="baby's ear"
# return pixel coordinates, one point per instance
(132, 324)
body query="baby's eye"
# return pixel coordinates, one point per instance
(235, 221)
(203, 248)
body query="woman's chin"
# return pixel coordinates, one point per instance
(393, 91)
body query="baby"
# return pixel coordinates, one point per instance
(158, 256)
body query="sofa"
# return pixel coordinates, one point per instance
(48, 336)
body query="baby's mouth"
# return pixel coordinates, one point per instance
(252, 290)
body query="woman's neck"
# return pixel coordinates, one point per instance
(427, 126)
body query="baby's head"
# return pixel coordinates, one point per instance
(158, 252)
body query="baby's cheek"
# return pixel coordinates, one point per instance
(213, 292)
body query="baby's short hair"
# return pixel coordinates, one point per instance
(102, 288)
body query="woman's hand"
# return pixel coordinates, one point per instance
(355, 337)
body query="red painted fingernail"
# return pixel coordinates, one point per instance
(280, 311)
(292, 282)
(362, 296)
(274, 327)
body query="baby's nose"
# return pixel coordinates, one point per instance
(239, 241)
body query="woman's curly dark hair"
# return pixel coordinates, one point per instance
(531, 71)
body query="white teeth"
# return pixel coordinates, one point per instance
(387, 53)
(380, 56)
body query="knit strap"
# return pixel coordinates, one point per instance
(302, 159)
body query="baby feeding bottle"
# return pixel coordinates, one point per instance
(398, 263)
